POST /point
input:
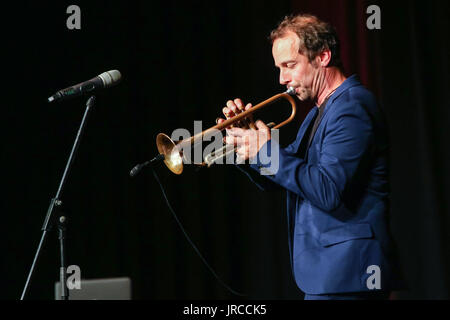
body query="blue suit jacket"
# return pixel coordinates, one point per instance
(337, 196)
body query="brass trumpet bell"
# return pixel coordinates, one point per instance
(172, 156)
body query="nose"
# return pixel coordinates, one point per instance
(284, 77)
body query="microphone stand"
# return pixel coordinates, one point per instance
(55, 204)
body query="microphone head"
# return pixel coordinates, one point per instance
(110, 78)
(135, 170)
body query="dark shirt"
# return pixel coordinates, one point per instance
(317, 120)
(312, 129)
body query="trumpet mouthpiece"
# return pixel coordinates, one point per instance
(291, 91)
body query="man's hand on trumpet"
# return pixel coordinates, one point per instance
(233, 108)
(248, 141)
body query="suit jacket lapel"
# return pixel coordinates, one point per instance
(348, 83)
(301, 133)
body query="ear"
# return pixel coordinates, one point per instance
(324, 58)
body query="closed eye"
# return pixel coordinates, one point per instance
(286, 64)
(290, 65)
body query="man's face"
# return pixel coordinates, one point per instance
(295, 69)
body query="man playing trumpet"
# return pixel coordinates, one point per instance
(335, 172)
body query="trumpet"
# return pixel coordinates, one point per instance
(172, 151)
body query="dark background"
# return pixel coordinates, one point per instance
(180, 62)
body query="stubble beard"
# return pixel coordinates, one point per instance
(309, 92)
(304, 94)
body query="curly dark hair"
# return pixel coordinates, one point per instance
(315, 36)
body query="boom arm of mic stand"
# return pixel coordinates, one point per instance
(55, 202)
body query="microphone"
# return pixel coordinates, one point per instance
(104, 80)
(138, 167)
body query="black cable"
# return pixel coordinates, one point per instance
(192, 244)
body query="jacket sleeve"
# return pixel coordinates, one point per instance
(347, 138)
(262, 182)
